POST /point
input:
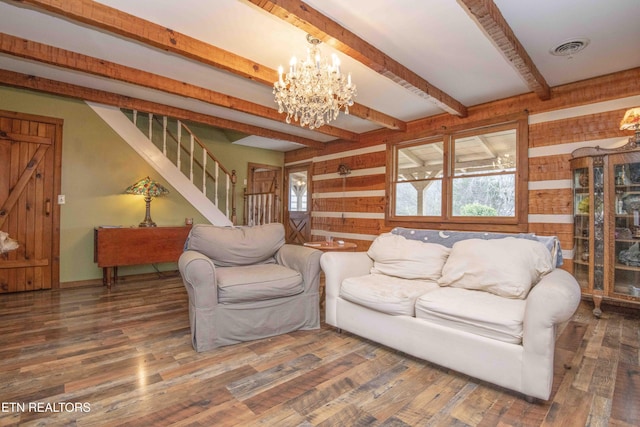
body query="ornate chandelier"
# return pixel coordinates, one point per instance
(314, 91)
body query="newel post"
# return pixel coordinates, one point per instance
(234, 178)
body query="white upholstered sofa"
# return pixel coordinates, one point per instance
(483, 304)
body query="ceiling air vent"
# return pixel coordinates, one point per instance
(569, 47)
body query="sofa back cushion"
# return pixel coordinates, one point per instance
(448, 238)
(507, 267)
(236, 246)
(408, 259)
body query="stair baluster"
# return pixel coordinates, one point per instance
(230, 178)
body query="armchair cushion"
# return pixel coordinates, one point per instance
(234, 246)
(257, 283)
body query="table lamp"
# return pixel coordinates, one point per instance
(148, 188)
(631, 121)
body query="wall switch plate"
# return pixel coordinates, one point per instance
(61, 199)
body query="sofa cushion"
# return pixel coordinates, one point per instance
(388, 294)
(448, 238)
(476, 312)
(409, 259)
(507, 267)
(257, 282)
(229, 246)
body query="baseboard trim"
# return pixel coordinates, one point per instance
(122, 279)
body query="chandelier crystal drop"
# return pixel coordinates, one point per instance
(313, 91)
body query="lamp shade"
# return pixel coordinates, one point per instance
(147, 187)
(631, 119)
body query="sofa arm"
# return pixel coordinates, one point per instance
(199, 277)
(553, 300)
(337, 266)
(305, 261)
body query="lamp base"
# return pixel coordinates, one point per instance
(147, 222)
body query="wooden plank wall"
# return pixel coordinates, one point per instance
(580, 114)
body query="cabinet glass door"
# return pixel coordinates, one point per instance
(597, 207)
(582, 229)
(626, 270)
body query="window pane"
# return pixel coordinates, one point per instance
(485, 153)
(492, 195)
(298, 191)
(420, 162)
(419, 198)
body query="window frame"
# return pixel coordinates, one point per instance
(516, 223)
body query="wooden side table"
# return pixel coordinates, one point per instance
(116, 246)
(332, 246)
(328, 247)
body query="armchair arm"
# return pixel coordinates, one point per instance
(304, 260)
(199, 276)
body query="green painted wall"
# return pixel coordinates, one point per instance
(97, 165)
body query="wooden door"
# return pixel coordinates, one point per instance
(298, 204)
(30, 163)
(264, 178)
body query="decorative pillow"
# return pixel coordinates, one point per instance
(507, 267)
(234, 246)
(409, 259)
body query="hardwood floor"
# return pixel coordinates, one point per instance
(124, 358)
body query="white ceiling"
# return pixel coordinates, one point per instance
(436, 39)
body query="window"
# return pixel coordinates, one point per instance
(461, 177)
(298, 191)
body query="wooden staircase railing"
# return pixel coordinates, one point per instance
(261, 208)
(191, 157)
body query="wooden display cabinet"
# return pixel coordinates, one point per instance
(606, 212)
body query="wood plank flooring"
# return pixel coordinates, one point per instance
(124, 357)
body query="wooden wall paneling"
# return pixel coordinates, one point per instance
(582, 128)
(556, 201)
(549, 167)
(349, 204)
(351, 225)
(563, 231)
(360, 161)
(351, 183)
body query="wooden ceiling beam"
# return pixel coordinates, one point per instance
(146, 32)
(490, 20)
(11, 78)
(313, 22)
(78, 62)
